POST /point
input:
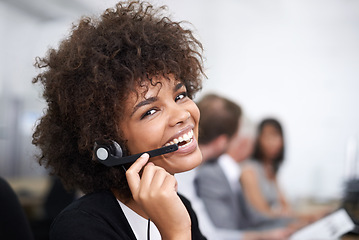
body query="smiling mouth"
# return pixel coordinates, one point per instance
(183, 140)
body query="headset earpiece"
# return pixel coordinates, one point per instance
(117, 149)
(104, 151)
(111, 154)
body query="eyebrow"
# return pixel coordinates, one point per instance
(177, 87)
(144, 103)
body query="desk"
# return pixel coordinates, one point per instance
(313, 206)
(350, 237)
(31, 192)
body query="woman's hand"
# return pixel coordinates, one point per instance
(155, 191)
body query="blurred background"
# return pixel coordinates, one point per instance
(296, 60)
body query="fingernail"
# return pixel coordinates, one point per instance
(145, 155)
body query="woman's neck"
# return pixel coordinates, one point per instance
(267, 160)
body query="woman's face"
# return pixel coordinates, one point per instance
(271, 142)
(161, 115)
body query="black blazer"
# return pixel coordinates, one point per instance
(13, 220)
(99, 216)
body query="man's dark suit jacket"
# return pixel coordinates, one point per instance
(227, 209)
(99, 216)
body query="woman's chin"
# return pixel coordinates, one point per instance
(177, 163)
(186, 163)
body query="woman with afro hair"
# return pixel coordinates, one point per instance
(128, 77)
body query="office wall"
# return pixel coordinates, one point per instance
(295, 60)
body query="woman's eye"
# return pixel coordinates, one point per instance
(181, 96)
(148, 113)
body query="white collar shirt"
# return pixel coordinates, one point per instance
(231, 170)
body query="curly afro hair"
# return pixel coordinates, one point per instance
(89, 77)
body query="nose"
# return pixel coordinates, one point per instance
(178, 115)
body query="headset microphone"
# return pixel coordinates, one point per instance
(112, 154)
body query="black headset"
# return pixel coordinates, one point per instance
(111, 154)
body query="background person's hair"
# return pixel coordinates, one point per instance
(219, 116)
(88, 79)
(258, 152)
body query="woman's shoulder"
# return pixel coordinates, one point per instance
(93, 213)
(91, 200)
(250, 164)
(94, 204)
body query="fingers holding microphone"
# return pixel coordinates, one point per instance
(155, 190)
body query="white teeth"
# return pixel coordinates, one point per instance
(189, 142)
(186, 137)
(190, 134)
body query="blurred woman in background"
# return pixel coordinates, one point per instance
(259, 174)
